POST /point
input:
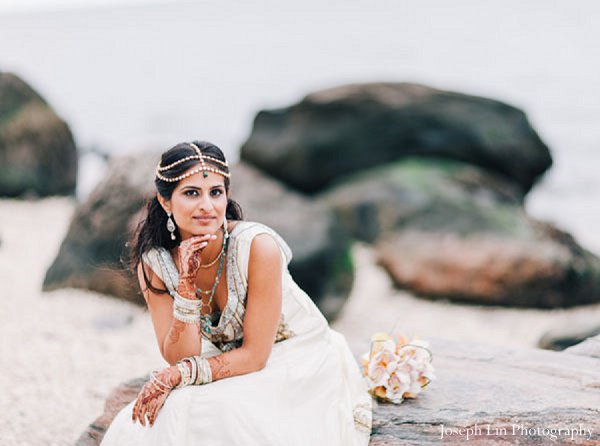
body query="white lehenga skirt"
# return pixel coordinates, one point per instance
(310, 393)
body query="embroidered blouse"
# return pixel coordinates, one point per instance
(227, 334)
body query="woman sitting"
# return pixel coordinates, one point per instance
(252, 359)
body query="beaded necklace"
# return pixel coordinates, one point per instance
(205, 318)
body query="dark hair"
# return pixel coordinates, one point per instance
(152, 231)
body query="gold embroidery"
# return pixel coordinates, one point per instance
(283, 331)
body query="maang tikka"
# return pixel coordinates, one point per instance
(171, 226)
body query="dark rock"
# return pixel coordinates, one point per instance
(117, 400)
(37, 150)
(444, 229)
(353, 127)
(322, 263)
(90, 254)
(477, 386)
(569, 334)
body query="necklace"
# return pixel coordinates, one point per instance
(208, 265)
(205, 318)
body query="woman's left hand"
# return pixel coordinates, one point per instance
(152, 396)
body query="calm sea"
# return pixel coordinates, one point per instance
(147, 74)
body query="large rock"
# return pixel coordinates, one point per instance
(513, 396)
(90, 254)
(353, 127)
(118, 398)
(429, 194)
(322, 263)
(542, 272)
(37, 151)
(445, 229)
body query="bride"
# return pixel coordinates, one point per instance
(252, 361)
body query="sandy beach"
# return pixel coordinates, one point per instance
(64, 351)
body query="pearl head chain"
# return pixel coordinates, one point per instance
(203, 168)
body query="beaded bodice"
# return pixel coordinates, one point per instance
(227, 334)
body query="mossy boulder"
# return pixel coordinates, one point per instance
(427, 193)
(450, 230)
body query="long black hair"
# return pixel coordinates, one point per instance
(152, 231)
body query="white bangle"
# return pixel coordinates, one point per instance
(164, 388)
(206, 372)
(190, 304)
(194, 366)
(200, 372)
(209, 377)
(185, 374)
(186, 310)
(184, 316)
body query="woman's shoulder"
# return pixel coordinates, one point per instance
(244, 232)
(245, 226)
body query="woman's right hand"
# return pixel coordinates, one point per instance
(190, 255)
(152, 396)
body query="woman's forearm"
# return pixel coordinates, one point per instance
(224, 365)
(235, 362)
(182, 340)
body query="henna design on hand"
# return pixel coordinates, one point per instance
(190, 252)
(152, 396)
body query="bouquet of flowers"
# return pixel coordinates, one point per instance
(397, 368)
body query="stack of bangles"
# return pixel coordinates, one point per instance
(198, 373)
(186, 310)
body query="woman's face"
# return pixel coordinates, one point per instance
(198, 204)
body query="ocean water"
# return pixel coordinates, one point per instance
(146, 74)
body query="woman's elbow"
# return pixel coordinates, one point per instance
(170, 360)
(172, 357)
(260, 361)
(259, 365)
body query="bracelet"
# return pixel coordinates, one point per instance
(194, 366)
(185, 374)
(186, 316)
(200, 372)
(204, 371)
(164, 388)
(186, 310)
(207, 377)
(190, 304)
